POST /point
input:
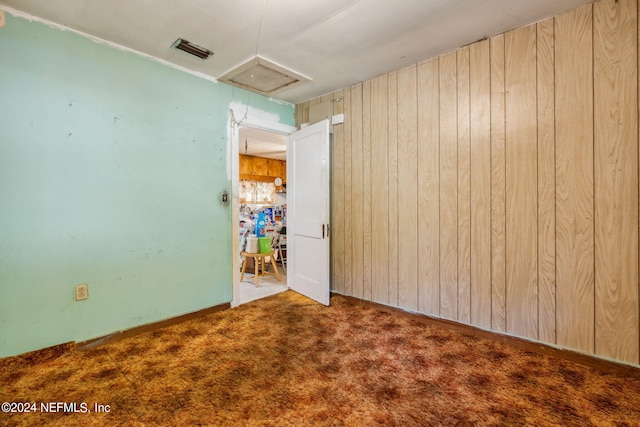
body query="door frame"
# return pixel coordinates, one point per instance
(253, 119)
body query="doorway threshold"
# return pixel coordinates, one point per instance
(267, 286)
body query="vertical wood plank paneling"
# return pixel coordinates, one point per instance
(357, 191)
(448, 187)
(521, 182)
(464, 188)
(297, 116)
(546, 184)
(380, 187)
(305, 113)
(337, 201)
(428, 188)
(480, 140)
(313, 103)
(323, 98)
(616, 178)
(506, 174)
(348, 194)
(366, 188)
(498, 240)
(394, 229)
(407, 187)
(574, 180)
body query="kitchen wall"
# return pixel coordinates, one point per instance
(111, 168)
(497, 185)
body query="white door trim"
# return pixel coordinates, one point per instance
(233, 160)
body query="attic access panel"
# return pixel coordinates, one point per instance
(263, 76)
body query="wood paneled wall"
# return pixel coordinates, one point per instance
(497, 185)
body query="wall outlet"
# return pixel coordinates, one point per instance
(82, 291)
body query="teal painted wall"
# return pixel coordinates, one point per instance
(111, 166)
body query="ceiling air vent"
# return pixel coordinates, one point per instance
(263, 76)
(192, 49)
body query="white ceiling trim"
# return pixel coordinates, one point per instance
(98, 40)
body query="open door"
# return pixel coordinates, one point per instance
(308, 212)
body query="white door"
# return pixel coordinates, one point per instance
(308, 212)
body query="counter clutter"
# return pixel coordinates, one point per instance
(260, 228)
(262, 232)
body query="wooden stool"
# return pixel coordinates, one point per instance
(257, 262)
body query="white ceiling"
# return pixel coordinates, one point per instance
(256, 142)
(334, 42)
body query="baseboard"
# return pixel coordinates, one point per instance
(592, 361)
(39, 356)
(116, 336)
(53, 352)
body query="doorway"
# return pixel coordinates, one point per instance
(308, 228)
(262, 192)
(259, 129)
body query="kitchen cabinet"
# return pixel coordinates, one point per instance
(261, 169)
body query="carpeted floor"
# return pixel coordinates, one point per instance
(285, 360)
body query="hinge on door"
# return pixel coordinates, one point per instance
(323, 231)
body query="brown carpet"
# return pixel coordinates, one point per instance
(285, 360)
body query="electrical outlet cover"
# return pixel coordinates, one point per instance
(82, 291)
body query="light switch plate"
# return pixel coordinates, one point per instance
(2, 19)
